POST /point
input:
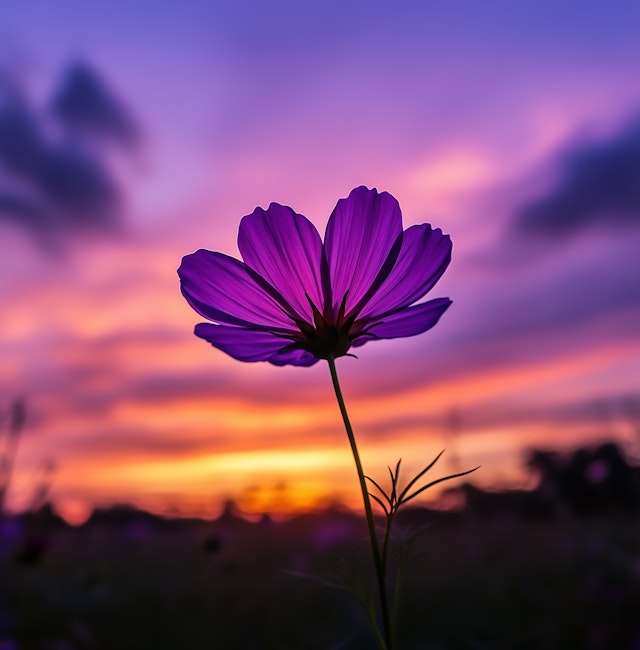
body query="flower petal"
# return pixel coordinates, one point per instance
(285, 249)
(240, 343)
(221, 288)
(251, 345)
(293, 358)
(408, 322)
(424, 255)
(361, 233)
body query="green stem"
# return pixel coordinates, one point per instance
(396, 592)
(396, 603)
(385, 541)
(377, 558)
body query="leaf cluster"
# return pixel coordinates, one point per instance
(392, 501)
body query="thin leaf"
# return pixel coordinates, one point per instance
(419, 476)
(384, 494)
(440, 480)
(394, 483)
(379, 501)
(338, 584)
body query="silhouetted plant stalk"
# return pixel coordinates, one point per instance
(7, 456)
(390, 503)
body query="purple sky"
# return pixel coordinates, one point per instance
(515, 127)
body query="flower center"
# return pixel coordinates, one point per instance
(330, 335)
(326, 341)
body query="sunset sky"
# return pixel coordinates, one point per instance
(132, 134)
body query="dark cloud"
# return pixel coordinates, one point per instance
(21, 139)
(54, 177)
(77, 184)
(20, 208)
(599, 183)
(84, 105)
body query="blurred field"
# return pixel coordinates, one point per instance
(127, 580)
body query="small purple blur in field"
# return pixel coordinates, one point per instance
(296, 300)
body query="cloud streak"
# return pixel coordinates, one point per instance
(598, 183)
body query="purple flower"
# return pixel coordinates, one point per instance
(295, 299)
